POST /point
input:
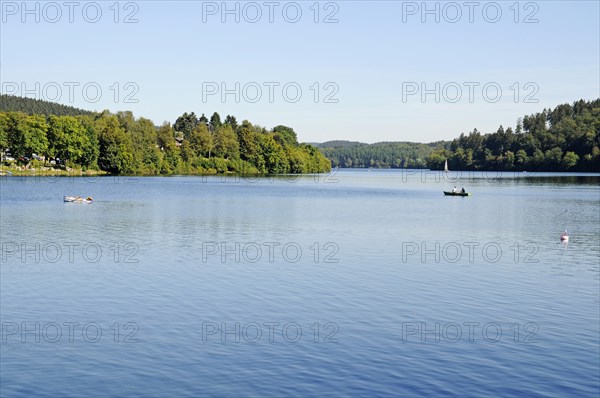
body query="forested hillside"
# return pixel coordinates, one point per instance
(11, 103)
(566, 138)
(379, 155)
(122, 144)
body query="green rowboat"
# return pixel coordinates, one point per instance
(456, 193)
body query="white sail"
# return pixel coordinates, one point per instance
(446, 166)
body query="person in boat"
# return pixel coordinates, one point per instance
(462, 190)
(454, 190)
(89, 199)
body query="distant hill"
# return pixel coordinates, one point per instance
(339, 144)
(11, 103)
(379, 155)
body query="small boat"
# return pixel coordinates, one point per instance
(564, 237)
(450, 193)
(77, 199)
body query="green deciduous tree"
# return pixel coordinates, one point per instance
(74, 139)
(225, 143)
(4, 131)
(35, 130)
(521, 159)
(170, 150)
(569, 160)
(201, 141)
(116, 149)
(275, 159)
(287, 134)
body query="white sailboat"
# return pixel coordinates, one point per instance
(446, 167)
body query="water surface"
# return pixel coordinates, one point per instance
(395, 289)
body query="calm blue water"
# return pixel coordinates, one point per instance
(366, 283)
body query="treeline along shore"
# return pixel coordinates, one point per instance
(40, 133)
(566, 138)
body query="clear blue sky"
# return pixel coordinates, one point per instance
(374, 55)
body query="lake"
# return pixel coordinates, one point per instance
(355, 283)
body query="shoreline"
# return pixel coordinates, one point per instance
(49, 172)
